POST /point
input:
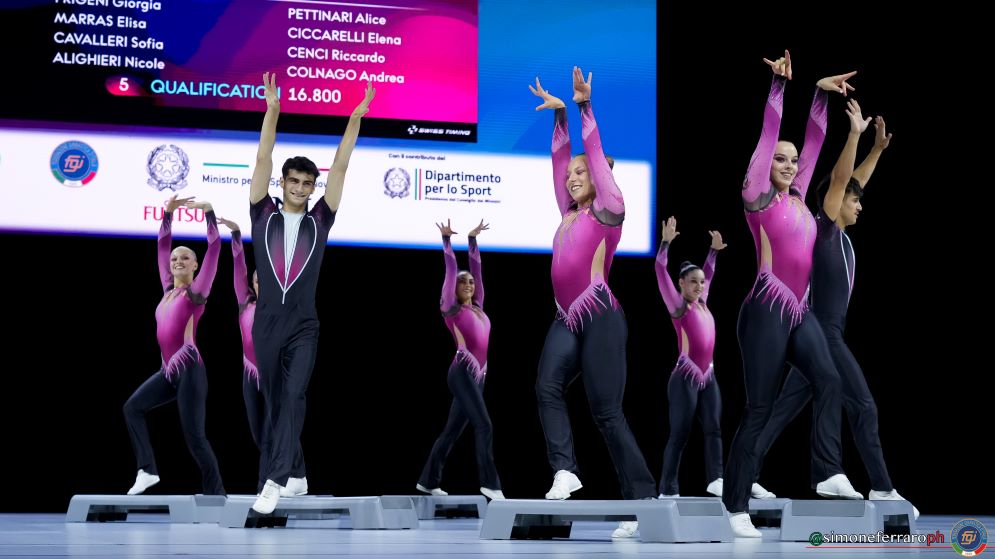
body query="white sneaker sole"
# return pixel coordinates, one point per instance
(569, 492)
(262, 509)
(828, 495)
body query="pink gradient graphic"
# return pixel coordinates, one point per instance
(437, 58)
(124, 86)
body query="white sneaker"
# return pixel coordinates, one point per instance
(268, 498)
(142, 482)
(564, 483)
(742, 526)
(758, 491)
(890, 496)
(662, 496)
(437, 492)
(715, 488)
(492, 494)
(626, 529)
(296, 486)
(837, 487)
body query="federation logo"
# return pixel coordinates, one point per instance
(969, 537)
(168, 167)
(74, 163)
(396, 183)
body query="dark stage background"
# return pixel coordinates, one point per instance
(79, 331)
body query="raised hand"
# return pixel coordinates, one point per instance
(269, 82)
(717, 243)
(206, 206)
(837, 83)
(228, 223)
(582, 89)
(446, 230)
(476, 230)
(549, 102)
(175, 202)
(364, 105)
(857, 121)
(670, 230)
(781, 66)
(881, 136)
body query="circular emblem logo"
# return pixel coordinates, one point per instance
(74, 163)
(396, 183)
(168, 167)
(969, 537)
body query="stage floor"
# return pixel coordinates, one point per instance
(151, 535)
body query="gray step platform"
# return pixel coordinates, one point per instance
(767, 513)
(450, 506)
(270, 521)
(181, 508)
(685, 519)
(800, 518)
(366, 513)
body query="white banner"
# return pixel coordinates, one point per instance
(115, 184)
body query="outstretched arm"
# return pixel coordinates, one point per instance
(261, 175)
(201, 286)
(475, 268)
(336, 176)
(881, 141)
(243, 293)
(709, 268)
(448, 300)
(609, 206)
(843, 169)
(815, 132)
(757, 186)
(165, 243)
(670, 295)
(560, 147)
